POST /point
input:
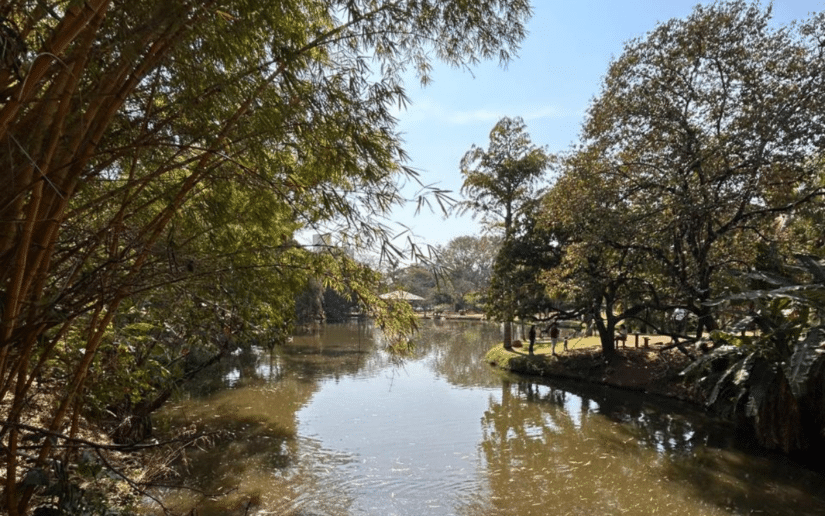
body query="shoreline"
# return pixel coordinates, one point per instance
(648, 370)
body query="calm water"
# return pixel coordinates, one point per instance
(332, 425)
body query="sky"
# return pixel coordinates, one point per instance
(550, 84)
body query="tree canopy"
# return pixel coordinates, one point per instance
(498, 181)
(500, 184)
(153, 145)
(705, 131)
(467, 262)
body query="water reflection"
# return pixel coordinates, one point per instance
(329, 424)
(454, 350)
(579, 450)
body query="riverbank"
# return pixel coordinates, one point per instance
(654, 370)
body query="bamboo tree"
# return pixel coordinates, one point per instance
(117, 119)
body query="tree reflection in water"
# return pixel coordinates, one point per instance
(575, 449)
(331, 424)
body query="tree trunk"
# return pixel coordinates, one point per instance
(607, 336)
(606, 325)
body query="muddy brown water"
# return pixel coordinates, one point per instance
(330, 424)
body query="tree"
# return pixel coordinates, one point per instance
(467, 262)
(498, 182)
(801, 231)
(149, 143)
(600, 272)
(533, 250)
(417, 279)
(708, 128)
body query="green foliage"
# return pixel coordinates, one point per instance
(499, 183)
(597, 269)
(521, 262)
(787, 312)
(707, 126)
(160, 157)
(467, 266)
(807, 355)
(703, 145)
(338, 306)
(770, 369)
(71, 492)
(417, 279)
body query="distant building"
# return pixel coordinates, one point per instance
(322, 241)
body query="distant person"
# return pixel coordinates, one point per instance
(532, 336)
(622, 337)
(554, 335)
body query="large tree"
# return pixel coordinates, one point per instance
(147, 142)
(707, 128)
(499, 183)
(599, 273)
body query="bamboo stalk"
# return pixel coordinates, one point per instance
(76, 18)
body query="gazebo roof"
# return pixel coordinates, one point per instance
(402, 295)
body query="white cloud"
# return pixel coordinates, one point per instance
(471, 117)
(552, 112)
(430, 111)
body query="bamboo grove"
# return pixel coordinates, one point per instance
(154, 149)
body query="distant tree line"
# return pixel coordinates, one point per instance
(456, 278)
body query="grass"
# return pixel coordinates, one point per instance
(651, 370)
(543, 346)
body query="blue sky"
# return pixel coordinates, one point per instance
(550, 85)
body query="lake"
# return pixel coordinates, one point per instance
(332, 424)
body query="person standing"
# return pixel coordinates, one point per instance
(554, 335)
(532, 336)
